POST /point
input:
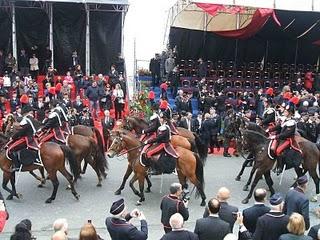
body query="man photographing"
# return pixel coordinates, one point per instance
(175, 202)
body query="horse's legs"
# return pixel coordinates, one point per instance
(132, 181)
(69, 177)
(5, 179)
(95, 168)
(84, 169)
(42, 179)
(195, 181)
(246, 187)
(244, 165)
(55, 182)
(13, 185)
(141, 178)
(253, 185)
(125, 177)
(269, 182)
(182, 180)
(149, 184)
(314, 175)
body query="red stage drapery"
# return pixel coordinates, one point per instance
(259, 18)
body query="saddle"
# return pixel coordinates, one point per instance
(163, 161)
(24, 151)
(56, 135)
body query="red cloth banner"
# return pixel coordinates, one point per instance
(259, 19)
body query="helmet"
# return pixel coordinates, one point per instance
(163, 104)
(24, 99)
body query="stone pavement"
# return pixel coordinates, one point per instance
(95, 202)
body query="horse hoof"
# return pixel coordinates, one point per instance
(77, 196)
(203, 203)
(99, 185)
(147, 191)
(238, 178)
(19, 195)
(118, 192)
(49, 200)
(82, 172)
(40, 185)
(10, 197)
(68, 187)
(138, 203)
(245, 201)
(245, 188)
(104, 175)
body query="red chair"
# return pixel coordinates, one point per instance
(257, 85)
(185, 83)
(228, 84)
(247, 84)
(251, 66)
(230, 73)
(238, 84)
(221, 73)
(213, 73)
(219, 65)
(276, 75)
(276, 85)
(195, 83)
(231, 94)
(257, 75)
(248, 74)
(239, 74)
(267, 84)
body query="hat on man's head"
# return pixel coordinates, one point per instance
(276, 199)
(117, 207)
(269, 91)
(302, 180)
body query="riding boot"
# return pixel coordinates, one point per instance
(15, 166)
(225, 152)
(279, 165)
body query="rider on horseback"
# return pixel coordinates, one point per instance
(287, 133)
(154, 124)
(162, 141)
(56, 121)
(24, 138)
(269, 115)
(167, 112)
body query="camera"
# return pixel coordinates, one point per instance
(185, 195)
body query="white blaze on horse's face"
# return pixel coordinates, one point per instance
(115, 148)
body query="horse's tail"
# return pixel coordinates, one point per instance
(199, 174)
(202, 149)
(99, 139)
(68, 154)
(101, 161)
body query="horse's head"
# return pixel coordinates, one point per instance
(117, 144)
(11, 128)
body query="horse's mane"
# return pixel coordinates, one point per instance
(132, 138)
(256, 137)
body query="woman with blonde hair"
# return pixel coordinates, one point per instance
(88, 232)
(296, 228)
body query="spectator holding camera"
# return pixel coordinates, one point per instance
(119, 227)
(175, 202)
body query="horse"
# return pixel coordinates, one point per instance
(188, 165)
(196, 145)
(258, 144)
(53, 157)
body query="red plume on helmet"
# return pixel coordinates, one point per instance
(58, 87)
(24, 99)
(163, 104)
(151, 95)
(287, 95)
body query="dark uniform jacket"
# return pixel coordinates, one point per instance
(180, 235)
(288, 129)
(226, 213)
(205, 131)
(26, 129)
(271, 226)
(163, 136)
(211, 228)
(216, 125)
(251, 215)
(313, 232)
(171, 205)
(296, 201)
(121, 229)
(269, 116)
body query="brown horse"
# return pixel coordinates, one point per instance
(188, 165)
(53, 158)
(195, 143)
(258, 144)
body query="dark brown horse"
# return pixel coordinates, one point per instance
(53, 158)
(196, 145)
(258, 145)
(188, 165)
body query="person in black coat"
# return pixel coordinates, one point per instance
(215, 130)
(202, 68)
(273, 224)
(313, 232)
(178, 232)
(172, 204)
(297, 201)
(226, 212)
(14, 102)
(251, 214)
(154, 68)
(212, 227)
(205, 130)
(107, 125)
(118, 226)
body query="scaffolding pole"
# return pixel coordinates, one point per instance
(14, 34)
(87, 39)
(50, 11)
(122, 32)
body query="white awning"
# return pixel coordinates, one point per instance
(291, 5)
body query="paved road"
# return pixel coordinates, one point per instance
(95, 202)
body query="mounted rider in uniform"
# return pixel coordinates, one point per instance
(286, 137)
(165, 109)
(22, 147)
(159, 144)
(154, 124)
(269, 115)
(56, 123)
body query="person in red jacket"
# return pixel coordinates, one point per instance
(3, 213)
(308, 82)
